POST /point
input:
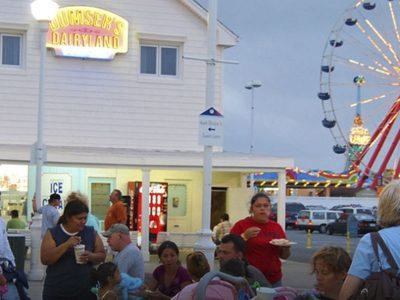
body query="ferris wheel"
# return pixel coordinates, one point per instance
(360, 88)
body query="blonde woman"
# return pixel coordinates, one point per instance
(364, 260)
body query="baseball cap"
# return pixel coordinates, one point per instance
(121, 228)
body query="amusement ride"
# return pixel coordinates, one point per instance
(359, 91)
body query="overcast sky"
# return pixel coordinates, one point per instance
(281, 44)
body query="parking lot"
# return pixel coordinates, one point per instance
(303, 250)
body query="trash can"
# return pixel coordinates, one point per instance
(352, 225)
(17, 245)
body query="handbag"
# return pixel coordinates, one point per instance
(384, 284)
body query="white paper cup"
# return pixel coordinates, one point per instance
(264, 293)
(79, 249)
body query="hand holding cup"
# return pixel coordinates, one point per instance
(79, 250)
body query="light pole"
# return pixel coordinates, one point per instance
(251, 86)
(43, 11)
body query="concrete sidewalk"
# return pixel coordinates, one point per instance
(296, 275)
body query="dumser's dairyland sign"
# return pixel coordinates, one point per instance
(87, 32)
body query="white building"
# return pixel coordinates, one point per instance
(109, 121)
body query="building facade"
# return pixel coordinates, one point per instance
(122, 103)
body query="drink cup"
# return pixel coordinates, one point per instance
(264, 293)
(79, 249)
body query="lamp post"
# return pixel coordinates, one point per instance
(43, 11)
(251, 86)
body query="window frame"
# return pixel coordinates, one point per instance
(159, 46)
(21, 36)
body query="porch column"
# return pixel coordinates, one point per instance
(281, 197)
(145, 214)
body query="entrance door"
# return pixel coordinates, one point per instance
(100, 197)
(218, 205)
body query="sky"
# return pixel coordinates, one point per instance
(281, 44)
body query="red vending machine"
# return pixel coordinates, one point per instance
(157, 207)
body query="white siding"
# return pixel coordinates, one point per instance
(92, 103)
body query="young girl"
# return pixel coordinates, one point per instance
(197, 265)
(108, 277)
(169, 277)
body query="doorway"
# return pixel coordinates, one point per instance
(99, 191)
(218, 205)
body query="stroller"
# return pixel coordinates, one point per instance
(223, 289)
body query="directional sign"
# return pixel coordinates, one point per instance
(211, 128)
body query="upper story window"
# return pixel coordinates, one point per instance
(10, 49)
(159, 60)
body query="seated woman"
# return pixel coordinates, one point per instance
(330, 266)
(197, 265)
(65, 277)
(169, 278)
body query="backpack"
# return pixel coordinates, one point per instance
(384, 284)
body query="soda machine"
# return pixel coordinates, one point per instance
(157, 207)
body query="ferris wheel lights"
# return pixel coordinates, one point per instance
(359, 80)
(327, 69)
(324, 96)
(335, 43)
(369, 5)
(351, 22)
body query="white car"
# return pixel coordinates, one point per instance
(316, 219)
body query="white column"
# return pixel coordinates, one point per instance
(37, 269)
(145, 214)
(281, 197)
(204, 243)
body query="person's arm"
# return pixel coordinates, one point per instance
(98, 255)
(350, 286)
(50, 253)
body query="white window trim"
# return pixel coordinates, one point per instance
(21, 49)
(159, 46)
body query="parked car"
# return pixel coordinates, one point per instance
(357, 210)
(365, 223)
(316, 219)
(292, 210)
(321, 207)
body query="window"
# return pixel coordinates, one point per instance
(159, 60)
(319, 215)
(10, 49)
(332, 216)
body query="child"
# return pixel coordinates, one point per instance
(3, 284)
(169, 278)
(197, 265)
(107, 277)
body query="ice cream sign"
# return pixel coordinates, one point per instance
(87, 32)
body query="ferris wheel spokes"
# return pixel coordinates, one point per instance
(386, 159)
(382, 131)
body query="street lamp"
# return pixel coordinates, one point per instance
(43, 11)
(251, 86)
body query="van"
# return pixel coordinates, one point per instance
(316, 219)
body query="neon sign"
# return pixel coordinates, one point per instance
(87, 32)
